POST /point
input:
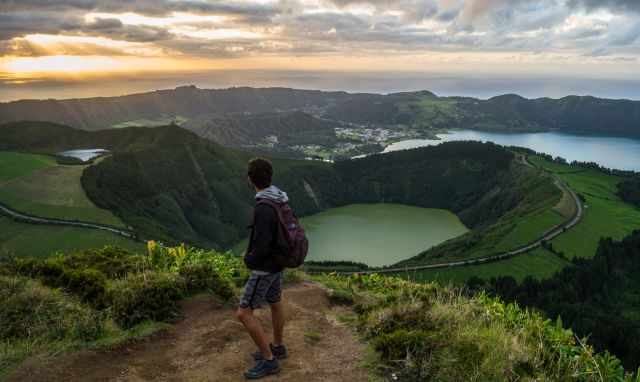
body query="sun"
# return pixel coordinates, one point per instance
(61, 64)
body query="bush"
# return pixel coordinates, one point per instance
(86, 283)
(113, 262)
(146, 296)
(203, 277)
(31, 311)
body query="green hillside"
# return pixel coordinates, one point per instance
(597, 297)
(606, 214)
(507, 112)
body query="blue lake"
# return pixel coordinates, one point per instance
(83, 155)
(611, 152)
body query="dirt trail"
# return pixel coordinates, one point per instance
(210, 345)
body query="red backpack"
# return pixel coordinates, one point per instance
(291, 236)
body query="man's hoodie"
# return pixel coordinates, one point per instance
(263, 242)
(274, 193)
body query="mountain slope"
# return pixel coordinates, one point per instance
(188, 101)
(289, 128)
(419, 109)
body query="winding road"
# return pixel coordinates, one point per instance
(549, 235)
(26, 218)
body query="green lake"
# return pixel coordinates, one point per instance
(376, 234)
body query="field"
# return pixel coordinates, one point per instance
(538, 263)
(23, 239)
(14, 165)
(432, 112)
(606, 215)
(39, 187)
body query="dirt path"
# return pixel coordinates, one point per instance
(210, 345)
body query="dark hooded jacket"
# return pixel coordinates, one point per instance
(263, 240)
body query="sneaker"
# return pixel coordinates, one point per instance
(279, 352)
(262, 369)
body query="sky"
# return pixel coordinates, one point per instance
(75, 48)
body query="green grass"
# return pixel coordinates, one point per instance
(54, 192)
(538, 263)
(88, 214)
(606, 215)
(14, 165)
(529, 229)
(23, 239)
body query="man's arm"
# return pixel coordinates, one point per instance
(264, 230)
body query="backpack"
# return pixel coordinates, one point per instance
(291, 236)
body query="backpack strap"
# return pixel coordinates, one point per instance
(273, 204)
(281, 236)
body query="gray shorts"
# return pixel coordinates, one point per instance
(261, 288)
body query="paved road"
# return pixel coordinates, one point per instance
(4, 209)
(549, 235)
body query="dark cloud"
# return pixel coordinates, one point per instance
(614, 5)
(144, 7)
(18, 24)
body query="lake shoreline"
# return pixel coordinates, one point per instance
(379, 234)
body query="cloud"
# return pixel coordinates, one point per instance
(221, 29)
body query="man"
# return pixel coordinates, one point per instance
(265, 282)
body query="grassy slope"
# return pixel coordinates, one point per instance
(538, 263)
(533, 216)
(40, 187)
(42, 240)
(606, 215)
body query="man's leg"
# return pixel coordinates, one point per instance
(254, 327)
(277, 320)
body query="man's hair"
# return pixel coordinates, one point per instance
(260, 172)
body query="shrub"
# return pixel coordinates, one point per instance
(224, 269)
(113, 262)
(86, 283)
(30, 310)
(146, 296)
(202, 277)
